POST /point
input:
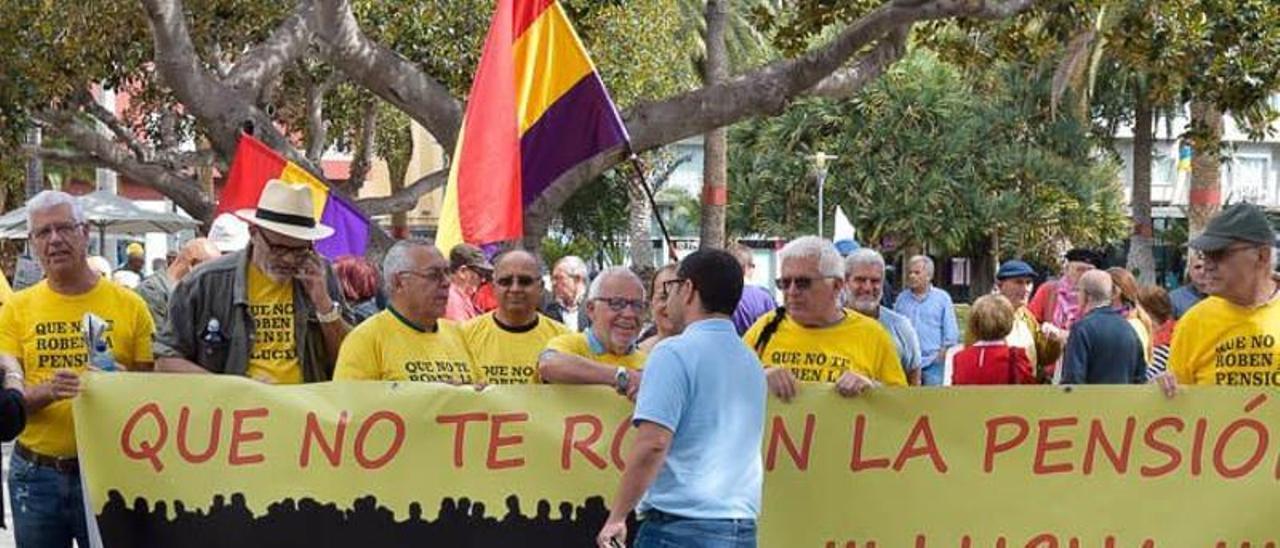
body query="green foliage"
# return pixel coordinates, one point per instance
(931, 156)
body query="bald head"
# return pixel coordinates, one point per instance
(517, 280)
(516, 258)
(193, 253)
(1095, 287)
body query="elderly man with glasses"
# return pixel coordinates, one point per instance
(1230, 338)
(271, 312)
(812, 338)
(410, 340)
(606, 352)
(505, 343)
(43, 354)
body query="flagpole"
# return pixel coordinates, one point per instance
(648, 191)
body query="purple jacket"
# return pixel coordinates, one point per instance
(755, 302)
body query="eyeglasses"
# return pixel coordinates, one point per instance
(297, 252)
(802, 283)
(619, 304)
(1220, 255)
(518, 281)
(64, 230)
(433, 275)
(666, 287)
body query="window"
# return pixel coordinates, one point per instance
(1249, 179)
(1163, 170)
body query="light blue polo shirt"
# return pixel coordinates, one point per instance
(708, 389)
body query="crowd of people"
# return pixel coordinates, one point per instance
(694, 344)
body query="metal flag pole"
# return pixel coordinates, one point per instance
(648, 192)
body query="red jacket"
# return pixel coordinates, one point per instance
(991, 362)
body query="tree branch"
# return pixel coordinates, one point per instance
(117, 128)
(317, 127)
(387, 74)
(264, 62)
(848, 81)
(63, 156)
(766, 90)
(96, 149)
(407, 198)
(771, 88)
(221, 110)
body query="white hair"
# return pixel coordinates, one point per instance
(864, 256)
(812, 247)
(49, 199)
(397, 259)
(926, 261)
(1096, 286)
(598, 283)
(573, 266)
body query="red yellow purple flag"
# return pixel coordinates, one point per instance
(537, 108)
(255, 164)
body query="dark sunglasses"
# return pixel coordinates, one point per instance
(802, 283)
(518, 281)
(618, 304)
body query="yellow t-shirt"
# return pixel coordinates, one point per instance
(274, 355)
(387, 347)
(577, 344)
(505, 356)
(42, 330)
(1217, 342)
(823, 354)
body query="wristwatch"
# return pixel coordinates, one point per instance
(622, 380)
(334, 314)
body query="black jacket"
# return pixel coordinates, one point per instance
(553, 310)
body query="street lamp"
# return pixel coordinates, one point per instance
(820, 170)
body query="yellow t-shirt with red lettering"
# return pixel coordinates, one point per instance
(273, 355)
(1217, 342)
(822, 354)
(41, 329)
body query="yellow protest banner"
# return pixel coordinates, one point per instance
(193, 461)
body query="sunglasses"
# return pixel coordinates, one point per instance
(1220, 255)
(619, 304)
(518, 281)
(802, 283)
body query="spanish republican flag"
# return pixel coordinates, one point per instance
(255, 164)
(537, 108)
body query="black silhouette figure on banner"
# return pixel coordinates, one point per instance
(306, 523)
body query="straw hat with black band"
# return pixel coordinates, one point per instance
(287, 209)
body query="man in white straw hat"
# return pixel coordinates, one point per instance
(271, 312)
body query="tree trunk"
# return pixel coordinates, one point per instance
(1141, 259)
(1205, 197)
(715, 169)
(982, 271)
(638, 229)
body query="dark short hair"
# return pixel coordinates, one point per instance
(716, 276)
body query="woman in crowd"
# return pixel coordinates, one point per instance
(359, 281)
(1155, 300)
(661, 327)
(990, 360)
(1124, 296)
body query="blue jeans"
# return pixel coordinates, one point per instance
(48, 508)
(662, 530)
